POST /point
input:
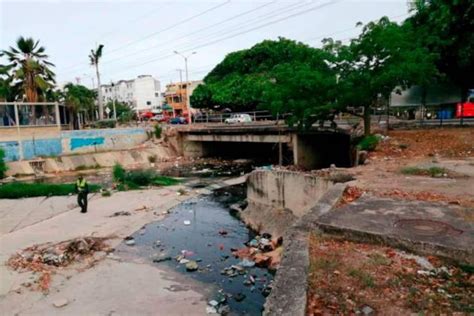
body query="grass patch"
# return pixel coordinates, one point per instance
(3, 165)
(157, 131)
(432, 171)
(379, 260)
(366, 279)
(84, 167)
(135, 179)
(106, 193)
(18, 190)
(369, 143)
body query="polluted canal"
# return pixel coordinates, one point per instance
(200, 238)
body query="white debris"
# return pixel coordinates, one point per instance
(187, 223)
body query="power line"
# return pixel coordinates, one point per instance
(165, 29)
(197, 31)
(318, 7)
(259, 18)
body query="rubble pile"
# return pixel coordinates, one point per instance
(44, 258)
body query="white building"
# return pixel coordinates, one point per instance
(142, 93)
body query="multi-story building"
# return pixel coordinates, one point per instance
(142, 93)
(176, 96)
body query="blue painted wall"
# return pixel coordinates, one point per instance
(11, 150)
(83, 140)
(41, 147)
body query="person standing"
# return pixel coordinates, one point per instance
(82, 189)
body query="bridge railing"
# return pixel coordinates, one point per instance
(221, 117)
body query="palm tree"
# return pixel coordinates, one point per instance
(78, 99)
(94, 57)
(30, 70)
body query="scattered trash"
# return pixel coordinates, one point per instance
(367, 310)
(213, 303)
(223, 232)
(247, 263)
(161, 259)
(141, 208)
(42, 258)
(239, 297)
(211, 310)
(192, 266)
(60, 302)
(184, 261)
(187, 222)
(121, 213)
(129, 241)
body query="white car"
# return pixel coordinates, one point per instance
(238, 118)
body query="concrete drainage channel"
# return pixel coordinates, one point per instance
(199, 239)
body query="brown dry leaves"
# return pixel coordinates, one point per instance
(446, 142)
(345, 277)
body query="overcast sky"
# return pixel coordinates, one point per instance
(140, 36)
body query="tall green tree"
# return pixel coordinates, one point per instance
(282, 76)
(94, 58)
(385, 56)
(446, 28)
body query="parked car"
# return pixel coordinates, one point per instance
(159, 118)
(146, 116)
(178, 120)
(238, 118)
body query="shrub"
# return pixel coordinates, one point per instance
(416, 171)
(158, 131)
(134, 179)
(368, 143)
(103, 124)
(118, 173)
(152, 159)
(3, 165)
(17, 190)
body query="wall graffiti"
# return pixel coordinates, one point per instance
(84, 142)
(68, 142)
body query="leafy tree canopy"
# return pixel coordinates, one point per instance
(281, 76)
(446, 28)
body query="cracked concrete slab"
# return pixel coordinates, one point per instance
(427, 228)
(54, 221)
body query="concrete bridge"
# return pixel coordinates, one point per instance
(311, 149)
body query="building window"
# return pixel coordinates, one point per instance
(148, 102)
(157, 94)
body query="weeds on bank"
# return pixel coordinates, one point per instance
(135, 179)
(432, 171)
(18, 190)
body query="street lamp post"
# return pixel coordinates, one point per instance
(188, 104)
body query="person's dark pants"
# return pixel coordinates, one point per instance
(82, 201)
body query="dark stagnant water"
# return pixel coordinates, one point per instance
(208, 215)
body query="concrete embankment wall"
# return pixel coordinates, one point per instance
(138, 157)
(276, 199)
(44, 141)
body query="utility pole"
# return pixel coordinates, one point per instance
(180, 86)
(113, 101)
(188, 105)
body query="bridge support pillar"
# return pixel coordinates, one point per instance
(305, 154)
(193, 149)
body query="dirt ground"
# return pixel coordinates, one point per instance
(448, 149)
(348, 278)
